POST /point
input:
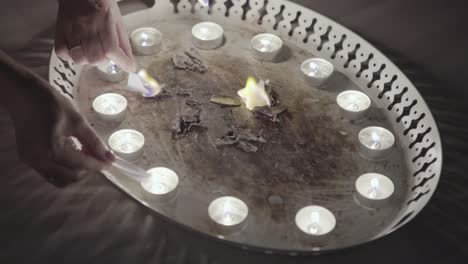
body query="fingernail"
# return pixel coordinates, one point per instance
(109, 156)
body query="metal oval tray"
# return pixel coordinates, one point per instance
(311, 156)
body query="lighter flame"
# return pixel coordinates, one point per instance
(254, 95)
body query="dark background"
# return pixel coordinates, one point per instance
(93, 222)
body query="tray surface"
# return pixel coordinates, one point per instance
(310, 157)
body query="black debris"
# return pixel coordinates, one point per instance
(242, 139)
(247, 147)
(187, 121)
(184, 92)
(270, 113)
(162, 95)
(190, 60)
(274, 98)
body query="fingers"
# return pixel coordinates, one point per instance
(115, 44)
(92, 144)
(94, 52)
(78, 49)
(124, 42)
(94, 38)
(76, 159)
(78, 55)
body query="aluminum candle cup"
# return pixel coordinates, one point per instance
(376, 143)
(373, 189)
(266, 47)
(315, 220)
(228, 213)
(110, 72)
(146, 41)
(127, 143)
(207, 35)
(162, 184)
(110, 107)
(353, 104)
(317, 71)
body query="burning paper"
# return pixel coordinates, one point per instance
(145, 84)
(254, 95)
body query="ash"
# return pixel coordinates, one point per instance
(242, 139)
(187, 121)
(275, 109)
(190, 60)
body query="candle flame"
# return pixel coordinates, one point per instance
(375, 143)
(375, 183)
(227, 214)
(374, 191)
(375, 136)
(112, 67)
(254, 94)
(314, 227)
(315, 217)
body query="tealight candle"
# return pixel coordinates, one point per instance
(315, 220)
(207, 35)
(127, 143)
(266, 47)
(353, 104)
(254, 95)
(162, 183)
(375, 142)
(317, 71)
(110, 72)
(146, 41)
(110, 107)
(228, 211)
(374, 186)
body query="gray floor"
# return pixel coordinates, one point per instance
(93, 222)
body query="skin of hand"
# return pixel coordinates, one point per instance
(44, 120)
(91, 32)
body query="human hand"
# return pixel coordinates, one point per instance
(44, 122)
(91, 32)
